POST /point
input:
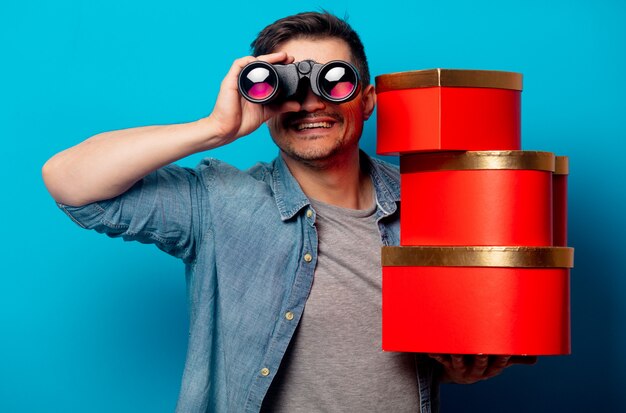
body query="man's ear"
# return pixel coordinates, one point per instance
(369, 101)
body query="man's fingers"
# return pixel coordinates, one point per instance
(278, 57)
(269, 58)
(443, 359)
(501, 361)
(470, 369)
(231, 78)
(497, 365)
(230, 81)
(479, 366)
(457, 362)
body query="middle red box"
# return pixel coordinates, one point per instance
(481, 198)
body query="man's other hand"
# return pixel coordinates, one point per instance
(468, 369)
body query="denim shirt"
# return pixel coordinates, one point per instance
(249, 244)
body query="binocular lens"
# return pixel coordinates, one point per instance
(258, 81)
(338, 81)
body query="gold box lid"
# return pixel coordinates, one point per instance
(475, 256)
(561, 165)
(449, 78)
(478, 160)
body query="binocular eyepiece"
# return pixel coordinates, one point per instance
(336, 81)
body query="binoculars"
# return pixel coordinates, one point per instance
(336, 81)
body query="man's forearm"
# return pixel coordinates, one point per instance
(108, 164)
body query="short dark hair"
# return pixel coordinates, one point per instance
(312, 25)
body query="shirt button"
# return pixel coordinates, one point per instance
(265, 372)
(309, 213)
(308, 257)
(289, 315)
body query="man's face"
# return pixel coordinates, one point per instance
(320, 132)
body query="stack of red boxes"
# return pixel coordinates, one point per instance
(483, 266)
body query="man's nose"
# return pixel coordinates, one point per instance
(311, 102)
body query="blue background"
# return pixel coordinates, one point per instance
(90, 324)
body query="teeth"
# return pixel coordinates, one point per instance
(303, 126)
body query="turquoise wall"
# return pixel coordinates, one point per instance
(90, 324)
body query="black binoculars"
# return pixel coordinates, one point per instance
(336, 81)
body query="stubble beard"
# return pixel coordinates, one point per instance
(304, 149)
(313, 156)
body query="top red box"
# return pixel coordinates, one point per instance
(447, 109)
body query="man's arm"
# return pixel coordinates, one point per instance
(108, 164)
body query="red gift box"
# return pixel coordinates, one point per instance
(485, 198)
(476, 300)
(559, 201)
(444, 109)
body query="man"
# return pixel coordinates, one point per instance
(282, 260)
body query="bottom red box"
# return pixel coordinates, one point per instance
(477, 300)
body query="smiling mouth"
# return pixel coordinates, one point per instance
(313, 125)
(312, 122)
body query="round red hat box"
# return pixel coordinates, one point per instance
(448, 109)
(476, 198)
(476, 300)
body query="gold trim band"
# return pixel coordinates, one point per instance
(517, 257)
(449, 78)
(471, 160)
(561, 166)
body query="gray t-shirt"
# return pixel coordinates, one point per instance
(335, 362)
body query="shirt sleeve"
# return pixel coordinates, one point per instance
(161, 209)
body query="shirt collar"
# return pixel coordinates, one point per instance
(289, 196)
(290, 199)
(386, 180)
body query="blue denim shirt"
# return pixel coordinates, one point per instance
(249, 243)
